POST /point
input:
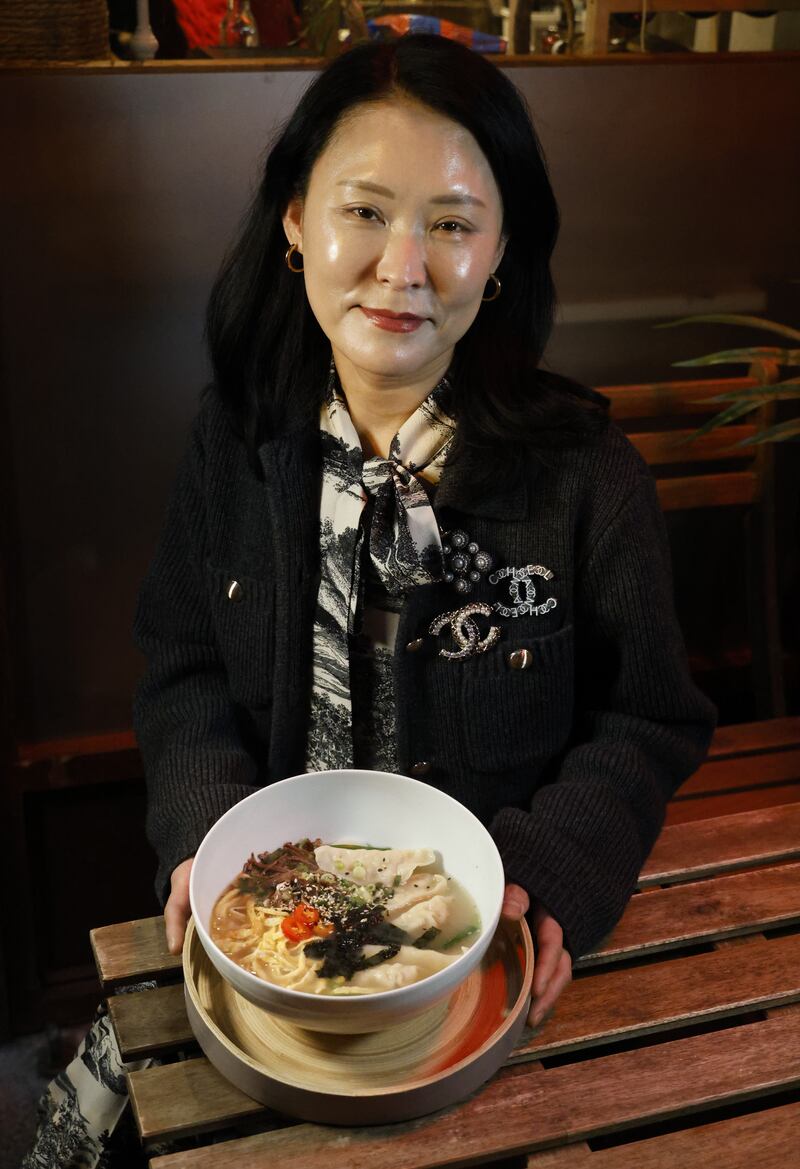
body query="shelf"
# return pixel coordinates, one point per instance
(120, 68)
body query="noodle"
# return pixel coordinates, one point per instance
(259, 945)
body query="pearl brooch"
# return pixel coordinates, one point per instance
(465, 564)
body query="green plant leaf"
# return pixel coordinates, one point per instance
(785, 391)
(748, 355)
(734, 319)
(737, 410)
(778, 433)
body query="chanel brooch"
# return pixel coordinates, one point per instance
(465, 631)
(522, 591)
(464, 562)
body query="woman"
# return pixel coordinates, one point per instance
(395, 542)
(376, 385)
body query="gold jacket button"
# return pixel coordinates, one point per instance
(235, 592)
(421, 768)
(520, 659)
(414, 646)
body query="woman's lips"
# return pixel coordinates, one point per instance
(393, 322)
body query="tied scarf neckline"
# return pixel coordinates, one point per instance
(384, 502)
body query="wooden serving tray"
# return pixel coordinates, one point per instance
(424, 1064)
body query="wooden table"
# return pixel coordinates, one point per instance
(677, 1044)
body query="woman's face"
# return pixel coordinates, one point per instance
(402, 215)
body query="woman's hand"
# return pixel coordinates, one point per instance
(553, 970)
(176, 911)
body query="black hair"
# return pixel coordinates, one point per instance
(267, 350)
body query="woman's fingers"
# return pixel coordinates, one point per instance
(550, 942)
(561, 977)
(553, 965)
(176, 910)
(515, 902)
(553, 969)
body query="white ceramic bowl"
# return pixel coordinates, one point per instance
(355, 807)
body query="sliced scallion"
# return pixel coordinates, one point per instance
(467, 933)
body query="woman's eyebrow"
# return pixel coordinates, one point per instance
(376, 188)
(458, 197)
(452, 197)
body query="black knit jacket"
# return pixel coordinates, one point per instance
(570, 762)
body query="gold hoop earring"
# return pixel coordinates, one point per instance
(288, 258)
(497, 287)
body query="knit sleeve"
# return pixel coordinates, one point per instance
(641, 728)
(195, 764)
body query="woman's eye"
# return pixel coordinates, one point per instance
(365, 213)
(452, 226)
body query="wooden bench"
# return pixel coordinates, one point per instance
(710, 471)
(669, 1048)
(753, 765)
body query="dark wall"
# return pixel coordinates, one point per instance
(678, 189)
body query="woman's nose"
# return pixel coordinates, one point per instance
(402, 262)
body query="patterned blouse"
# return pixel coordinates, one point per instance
(378, 539)
(371, 670)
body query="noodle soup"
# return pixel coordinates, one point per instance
(343, 919)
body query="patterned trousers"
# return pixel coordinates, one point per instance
(83, 1122)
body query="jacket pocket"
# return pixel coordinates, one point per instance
(242, 609)
(513, 716)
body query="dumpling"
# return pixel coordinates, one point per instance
(419, 887)
(368, 866)
(425, 915)
(387, 976)
(408, 965)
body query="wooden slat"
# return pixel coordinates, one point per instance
(746, 738)
(150, 1022)
(688, 851)
(81, 771)
(621, 1004)
(740, 940)
(791, 1009)
(746, 771)
(721, 490)
(677, 446)
(132, 950)
(525, 1109)
(769, 1139)
(667, 399)
(567, 1157)
(682, 811)
(185, 1098)
(63, 749)
(703, 911)
(731, 657)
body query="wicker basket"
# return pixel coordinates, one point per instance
(54, 30)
